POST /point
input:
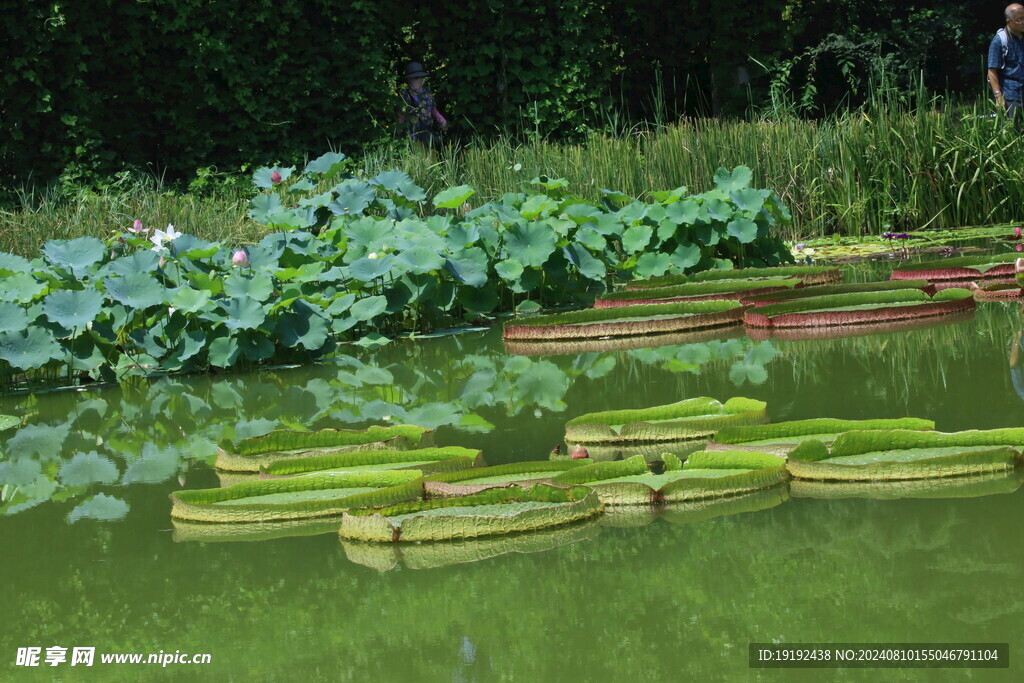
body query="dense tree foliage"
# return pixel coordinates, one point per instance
(179, 85)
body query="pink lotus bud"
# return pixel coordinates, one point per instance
(275, 177)
(579, 453)
(1020, 247)
(240, 258)
(137, 226)
(1016, 231)
(163, 262)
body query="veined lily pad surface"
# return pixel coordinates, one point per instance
(995, 291)
(860, 307)
(959, 268)
(427, 460)
(475, 480)
(781, 437)
(385, 557)
(490, 513)
(249, 455)
(697, 291)
(687, 419)
(315, 495)
(902, 454)
(809, 275)
(626, 321)
(768, 298)
(705, 475)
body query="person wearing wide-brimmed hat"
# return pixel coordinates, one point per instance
(419, 109)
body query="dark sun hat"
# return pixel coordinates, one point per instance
(414, 70)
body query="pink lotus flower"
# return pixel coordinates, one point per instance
(275, 177)
(240, 258)
(137, 227)
(1016, 231)
(1020, 247)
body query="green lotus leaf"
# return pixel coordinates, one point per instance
(29, 349)
(8, 422)
(325, 164)
(453, 197)
(509, 269)
(528, 307)
(745, 371)
(140, 262)
(468, 271)
(20, 287)
(73, 309)
(12, 263)
(368, 269)
(591, 239)
(550, 183)
(100, 507)
(749, 199)
(636, 238)
(353, 196)
(341, 303)
(243, 313)
(683, 212)
(538, 206)
(223, 352)
(303, 185)
(391, 180)
(743, 229)
(582, 214)
(304, 326)
(368, 308)
(478, 300)
(189, 300)
(530, 244)
(420, 259)
(12, 317)
(685, 256)
(85, 355)
(258, 286)
(263, 206)
(138, 290)
(20, 472)
(738, 179)
(88, 468)
(614, 198)
(543, 384)
(585, 262)
(652, 264)
(263, 177)
(77, 255)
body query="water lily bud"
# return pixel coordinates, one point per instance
(275, 177)
(579, 453)
(240, 258)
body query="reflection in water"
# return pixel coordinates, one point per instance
(154, 431)
(968, 486)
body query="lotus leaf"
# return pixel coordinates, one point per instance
(8, 421)
(29, 349)
(137, 290)
(259, 286)
(88, 468)
(77, 255)
(12, 317)
(585, 262)
(264, 207)
(242, 313)
(189, 300)
(303, 326)
(100, 507)
(20, 287)
(488, 513)
(453, 197)
(326, 164)
(11, 263)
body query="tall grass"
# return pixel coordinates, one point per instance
(890, 165)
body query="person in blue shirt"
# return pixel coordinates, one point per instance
(1006, 64)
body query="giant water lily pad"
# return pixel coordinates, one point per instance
(687, 419)
(385, 557)
(427, 460)
(250, 454)
(782, 437)
(626, 321)
(475, 480)
(697, 291)
(315, 495)
(903, 454)
(808, 275)
(706, 474)
(573, 347)
(965, 486)
(767, 298)
(490, 513)
(959, 268)
(860, 308)
(227, 532)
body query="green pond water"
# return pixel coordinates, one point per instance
(91, 557)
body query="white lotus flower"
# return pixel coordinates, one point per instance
(161, 236)
(372, 254)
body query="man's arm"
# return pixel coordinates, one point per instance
(993, 81)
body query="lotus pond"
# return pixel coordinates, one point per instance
(674, 592)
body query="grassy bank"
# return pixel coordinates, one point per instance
(892, 167)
